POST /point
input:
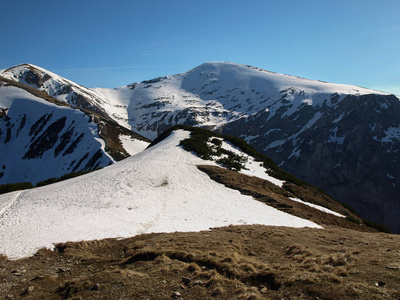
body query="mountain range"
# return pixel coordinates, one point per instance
(343, 139)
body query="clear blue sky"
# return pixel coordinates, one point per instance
(112, 43)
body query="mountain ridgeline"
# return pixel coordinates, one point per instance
(343, 139)
(42, 137)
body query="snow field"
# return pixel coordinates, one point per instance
(157, 190)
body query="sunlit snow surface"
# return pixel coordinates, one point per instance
(157, 190)
(131, 145)
(321, 208)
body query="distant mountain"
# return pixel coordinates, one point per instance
(166, 188)
(42, 137)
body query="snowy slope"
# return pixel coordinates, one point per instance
(158, 190)
(41, 140)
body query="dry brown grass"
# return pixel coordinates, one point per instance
(235, 262)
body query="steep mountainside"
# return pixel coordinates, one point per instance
(349, 149)
(42, 137)
(343, 139)
(162, 190)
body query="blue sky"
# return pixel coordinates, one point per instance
(100, 43)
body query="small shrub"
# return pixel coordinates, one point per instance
(216, 142)
(352, 219)
(349, 208)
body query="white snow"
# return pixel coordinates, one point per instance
(157, 190)
(252, 167)
(321, 208)
(338, 119)
(131, 145)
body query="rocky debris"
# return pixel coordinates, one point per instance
(96, 287)
(176, 295)
(186, 280)
(63, 270)
(197, 282)
(391, 267)
(37, 277)
(17, 272)
(28, 290)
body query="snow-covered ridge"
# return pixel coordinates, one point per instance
(39, 138)
(157, 190)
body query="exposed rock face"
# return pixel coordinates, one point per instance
(349, 149)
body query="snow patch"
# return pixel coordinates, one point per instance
(392, 133)
(321, 208)
(131, 145)
(333, 138)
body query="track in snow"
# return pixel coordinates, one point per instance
(11, 203)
